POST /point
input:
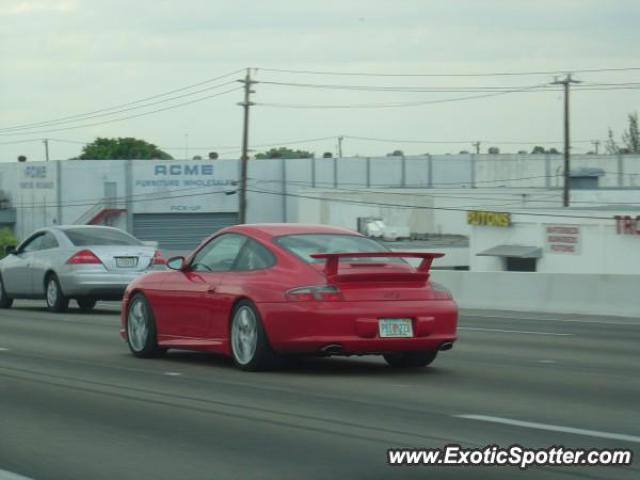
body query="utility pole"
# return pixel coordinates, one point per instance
(477, 145)
(596, 143)
(46, 149)
(244, 159)
(567, 143)
(340, 139)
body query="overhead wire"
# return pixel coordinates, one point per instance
(81, 116)
(171, 107)
(465, 74)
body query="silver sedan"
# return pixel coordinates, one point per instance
(87, 263)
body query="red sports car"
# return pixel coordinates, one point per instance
(258, 292)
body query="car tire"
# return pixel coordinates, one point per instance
(142, 336)
(56, 301)
(5, 300)
(248, 342)
(86, 304)
(411, 359)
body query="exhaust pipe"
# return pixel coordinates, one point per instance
(331, 349)
(445, 346)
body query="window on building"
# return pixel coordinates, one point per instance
(519, 264)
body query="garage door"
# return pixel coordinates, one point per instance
(180, 231)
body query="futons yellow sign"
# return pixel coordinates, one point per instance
(490, 219)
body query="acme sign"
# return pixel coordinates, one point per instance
(181, 169)
(490, 219)
(627, 225)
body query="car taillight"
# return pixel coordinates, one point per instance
(158, 259)
(324, 293)
(84, 257)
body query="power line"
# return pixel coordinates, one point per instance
(114, 112)
(188, 87)
(399, 104)
(387, 88)
(455, 142)
(201, 99)
(333, 200)
(545, 196)
(466, 74)
(420, 207)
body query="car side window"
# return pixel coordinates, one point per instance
(48, 241)
(32, 245)
(220, 254)
(254, 256)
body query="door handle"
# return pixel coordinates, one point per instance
(211, 290)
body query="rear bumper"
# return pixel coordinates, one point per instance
(309, 327)
(102, 285)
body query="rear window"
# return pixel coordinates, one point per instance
(303, 245)
(84, 237)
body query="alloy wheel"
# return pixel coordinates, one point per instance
(244, 335)
(52, 292)
(137, 325)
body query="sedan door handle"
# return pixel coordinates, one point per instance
(211, 290)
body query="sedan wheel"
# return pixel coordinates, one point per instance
(5, 301)
(141, 328)
(249, 345)
(86, 304)
(56, 301)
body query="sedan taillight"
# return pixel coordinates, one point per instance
(323, 293)
(84, 257)
(158, 259)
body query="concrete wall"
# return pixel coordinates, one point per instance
(546, 293)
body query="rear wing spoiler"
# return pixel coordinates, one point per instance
(332, 259)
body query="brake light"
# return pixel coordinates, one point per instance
(158, 259)
(324, 293)
(84, 257)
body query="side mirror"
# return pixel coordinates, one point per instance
(10, 250)
(176, 263)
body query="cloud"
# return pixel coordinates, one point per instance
(26, 7)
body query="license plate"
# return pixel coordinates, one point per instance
(126, 262)
(395, 327)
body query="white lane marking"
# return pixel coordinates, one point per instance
(553, 428)
(173, 374)
(516, 331)
(537, 319)
(5, 475)
(2, 349)
(550, 362)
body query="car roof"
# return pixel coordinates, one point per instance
(277, 229)
(68, 227)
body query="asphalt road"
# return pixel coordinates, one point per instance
(74, 404)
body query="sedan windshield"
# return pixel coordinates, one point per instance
(303, 245)
(83, 237)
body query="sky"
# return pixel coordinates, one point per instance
(82, 58)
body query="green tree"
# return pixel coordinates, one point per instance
(284, 152)
(122, 148)
(7, 239)
(631, 136)
(396, 153)
(538, 149)
(493, 151)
